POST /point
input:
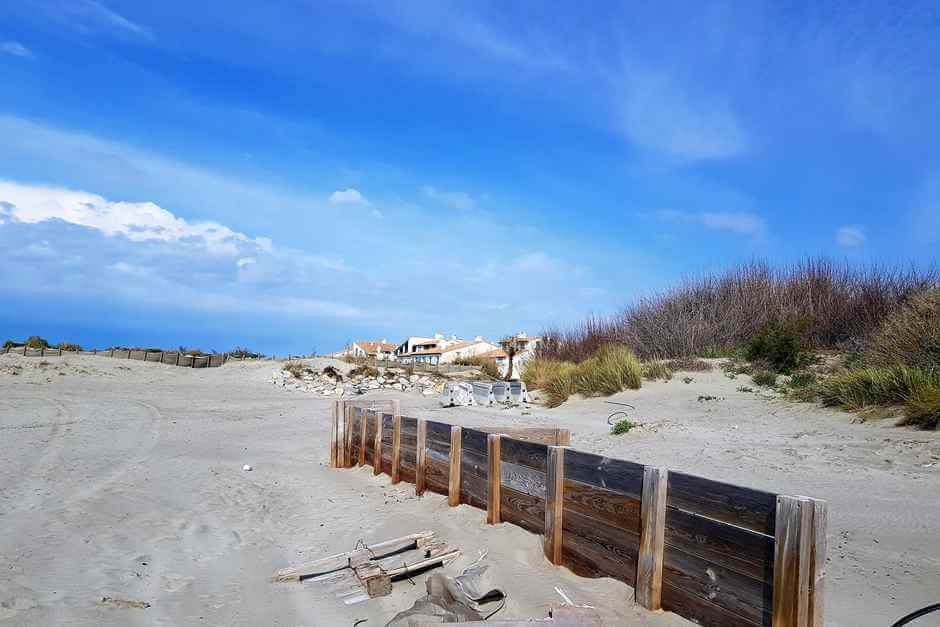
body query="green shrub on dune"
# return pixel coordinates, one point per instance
(609, 370)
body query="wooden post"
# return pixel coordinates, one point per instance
(334, 442)
(421, 456)
(453, 483)
(554, 503)
(493, 478)
(363, 422)
(42, 351)
(350, 462)
(799, 562)
(377, 450)
(396, 448)
(649, 570)
(340, 435)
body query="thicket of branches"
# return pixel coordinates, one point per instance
(836, 306)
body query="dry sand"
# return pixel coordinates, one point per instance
(122, 480)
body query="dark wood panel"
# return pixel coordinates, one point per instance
(522, 509)
(407, 459)
(612, 551)
(473, 490)
(522, 479)
(473, 463)
(528, 454)
(540, 435)
(741, 595)
(742, 550)
(474, 440)
(744, 507)
(613, 508)
(409, 440)
(437, 476)
(409, 426)
(616, 475)
(406, 473)
(701, 611)
(388, 422)
(438, 451)
(438, 431)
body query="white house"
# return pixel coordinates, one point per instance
(447, 352)
(374, 349)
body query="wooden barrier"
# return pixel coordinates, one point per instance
(173, 358)
(712, 552)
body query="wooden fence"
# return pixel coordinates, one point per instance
(712, 552)
(173, 358)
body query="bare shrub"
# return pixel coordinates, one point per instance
(716, 314)
(910, 336)
(358, 371)
(486, 365)
(688, 364)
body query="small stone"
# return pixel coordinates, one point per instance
(247, 467)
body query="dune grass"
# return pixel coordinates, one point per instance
(609, 370)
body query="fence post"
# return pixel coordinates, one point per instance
(363, 422)
(649, 570)
(377, 449)
(350, 462)
(396, 448)
(554, 503)
(335, 433)
(421, 456)
(493, 478)
(453, 481)
(799, 562)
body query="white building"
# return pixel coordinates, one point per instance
(446, 351)
(373, 349)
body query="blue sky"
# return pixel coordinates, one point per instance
(292, 175)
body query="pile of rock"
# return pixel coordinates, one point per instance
(329, 382)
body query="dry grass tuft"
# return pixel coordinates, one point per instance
(610, 370)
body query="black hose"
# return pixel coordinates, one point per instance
(917, 614)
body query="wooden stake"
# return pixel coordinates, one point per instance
(817, 569)
(453, 483)
(340, 435)
(795, 562)
(350, 462)
(377, 447)
(334, 433)
(363, 421)
(554, 503)
(396, 448)
(649, 571)
(421, 456)
(493, 478)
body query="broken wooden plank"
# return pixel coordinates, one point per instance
(442, 559)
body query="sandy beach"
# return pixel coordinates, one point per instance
(123, 480)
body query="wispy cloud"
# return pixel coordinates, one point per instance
(454, 200)
(16, 49)
(740, 222)
(348, 196)
(850, 236)
(90, 17)
(536, 262)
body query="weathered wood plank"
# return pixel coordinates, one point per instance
(439, 448)
(817, 569)
(749, 598)
(473, 463)
(744, 507)
(474, 440)
(422, 456)
(699, 610)
(522, 453)
(523, 479)
(494, 478)
(616, 475)
(453, 475)
(554, 503)
(649, 576)
(379, 462)
(370, 439)
(438, 432)
(592, 548)
(736, 548)
(613, 508)
(334, 432)
(522, 509)
(363, 428)
(396, 449)
(794, 531)
(473, 490)
(436, 476)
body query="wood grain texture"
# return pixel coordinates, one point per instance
(438, 432)
(348, 434)
(530, 454)
(794, 531)
(453, 475)
(473, 490)
(494, 479)
(611, 507)
(363, 428)
(377, 450)
(554, 504)
(474, 440)
(616, 475)
(522, 479)
(649, 575)
(396, 449)
(817, 578)
(698, 609)
(422, 452)
(334, 432)
(436, 477)
(744, 507)
(371, 425)
(522, 509)
(592, 548)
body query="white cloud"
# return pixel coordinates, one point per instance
(137, 221)
(536, 262)
(850, 236)
(455, 200)
(740, 222)
(16, 49)
(90, 17)
(349, 196)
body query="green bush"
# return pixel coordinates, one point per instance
(9, 344)
(910, 336)
(562, 386)
(801, 380)
(653, 370)
(538, 372)
(895, 385)
(34, 341)
(779, 345)
(922, 408)
(622, 426)
(765, 378)
(68, 346)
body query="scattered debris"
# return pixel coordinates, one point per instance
(331, 381)
(453, 599)
(123, 603)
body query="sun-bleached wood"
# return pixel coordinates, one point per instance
(421, 456)
(649, 571)
(453, 481)
(493, 478)
(799, 562)
(334, 434)
(554, 502)
(377, 445)
(396, 448)
(363, 422)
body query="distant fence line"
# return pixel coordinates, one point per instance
(416, 366)
(172, 358)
